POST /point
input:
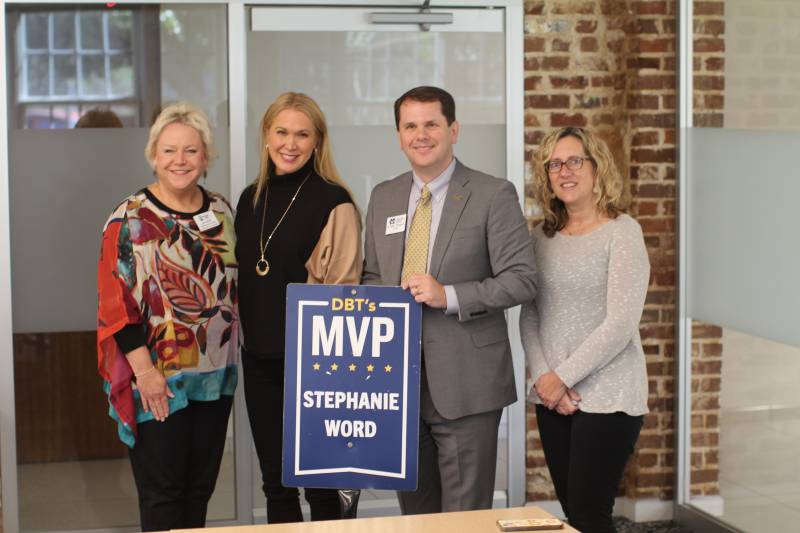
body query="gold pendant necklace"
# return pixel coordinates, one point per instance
(262, 265)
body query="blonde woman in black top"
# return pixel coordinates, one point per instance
(297, 223)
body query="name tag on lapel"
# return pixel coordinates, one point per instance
(395, 224)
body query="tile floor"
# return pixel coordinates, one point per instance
(759, 435)
(101, 494)
(93, 494)
(760, 472)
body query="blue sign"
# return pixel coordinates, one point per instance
(351, 395)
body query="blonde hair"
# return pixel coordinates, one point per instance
(323, 155)
(611, 197)
(188, 115)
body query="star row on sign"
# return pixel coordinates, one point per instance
(352, 367)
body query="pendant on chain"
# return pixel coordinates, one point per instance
(262, 267)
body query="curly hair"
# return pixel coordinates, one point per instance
(609, 188)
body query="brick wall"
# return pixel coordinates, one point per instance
(706, 383)
(610, 66)
(763, 59)
(709, 63)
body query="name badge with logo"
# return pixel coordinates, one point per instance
(395, 224)
(206, 221)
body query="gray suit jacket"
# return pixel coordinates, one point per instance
(484, 250)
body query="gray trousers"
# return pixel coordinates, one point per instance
(457, 461)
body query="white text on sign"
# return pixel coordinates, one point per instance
(328, 338)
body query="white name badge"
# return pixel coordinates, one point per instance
(206, 221)
(395, 224)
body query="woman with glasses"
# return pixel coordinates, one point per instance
(581, 335)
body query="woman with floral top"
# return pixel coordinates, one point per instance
(167, 332)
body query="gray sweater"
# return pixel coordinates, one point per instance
(584, 323)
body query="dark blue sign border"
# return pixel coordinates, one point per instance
(312, 458)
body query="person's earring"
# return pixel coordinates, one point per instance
(596, 188)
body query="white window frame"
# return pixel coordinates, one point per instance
(72, 106)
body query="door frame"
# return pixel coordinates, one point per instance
(683, 511)
(513, 20)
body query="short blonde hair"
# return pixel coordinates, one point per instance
(612, 198)
(188, 115)
(323, 154)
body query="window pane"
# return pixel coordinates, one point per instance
(128, 115)
(379, 83)
(120, 29)
(37, 117)
(194, 58)
(358, 44)
(65, 116)
(122, 79)
(92, 30)
(398, 74)
(93, 76)
(36, 30)
(64, 30)
(38, 77)
(402, 48)
(65, 81)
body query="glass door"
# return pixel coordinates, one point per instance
(355, 62)
(739, 347)
(84, 83)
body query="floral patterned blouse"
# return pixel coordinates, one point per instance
(160, 271)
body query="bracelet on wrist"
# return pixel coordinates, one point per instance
(140, 374)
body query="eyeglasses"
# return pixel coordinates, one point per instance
(573, 163)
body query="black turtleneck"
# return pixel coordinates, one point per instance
(262, 300)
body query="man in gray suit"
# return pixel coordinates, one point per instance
(456, 238)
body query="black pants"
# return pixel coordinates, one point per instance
(175, 464)
(263, 392)
(586, 455)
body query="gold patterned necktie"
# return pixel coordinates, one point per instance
(415, 260)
